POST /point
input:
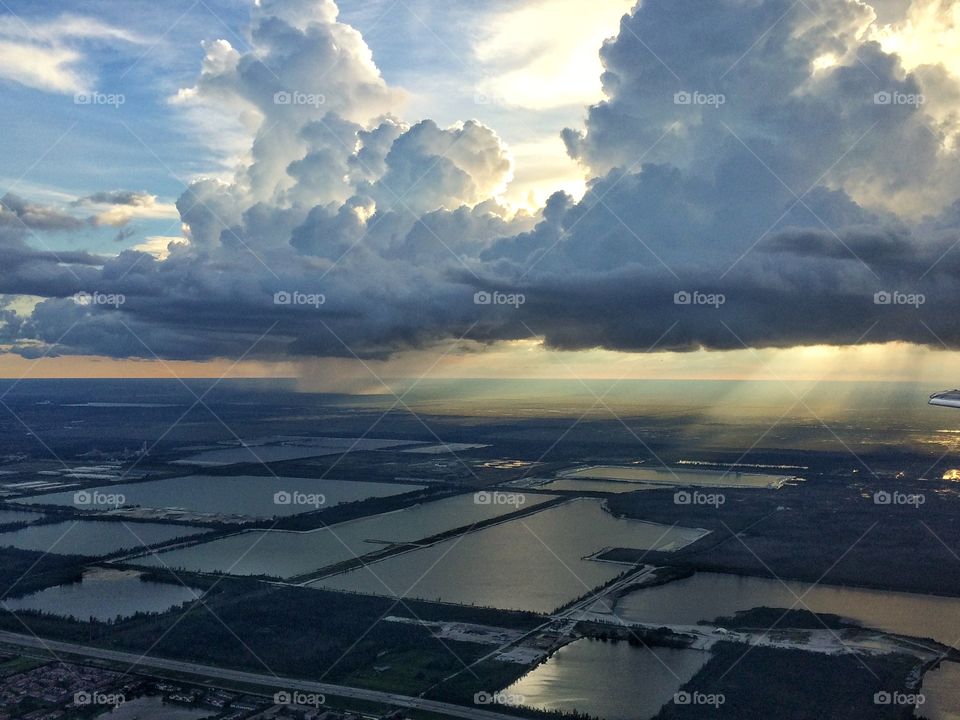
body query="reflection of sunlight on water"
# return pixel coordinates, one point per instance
(942, 692)
(952, 474)
(945, 442)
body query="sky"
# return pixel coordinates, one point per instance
(542, 188)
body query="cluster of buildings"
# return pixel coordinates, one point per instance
(45, 692)
(222, 704)
(65, 691)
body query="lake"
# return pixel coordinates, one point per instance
(706, 596)
(105, 594)
(538, 562)
(18, 516)
(147, 708)
(247, 495)
(941, 691)
(94, 537)
(674, 476)
(609, 680)
(285, 554)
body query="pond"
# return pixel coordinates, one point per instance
(285, 554)
(105, 594)
(706, 596)
(252, 496)
(537, 563)
(941, 692)
(608, 680)
(18, 516)
(94, 538)
(149, 708)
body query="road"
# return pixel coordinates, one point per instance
(278, 683)
(585, 605)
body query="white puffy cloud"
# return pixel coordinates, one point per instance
(742, 150)
(803, 120)
(305, 66)
(429, 168)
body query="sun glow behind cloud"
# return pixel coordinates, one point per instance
(528, 359)
(558, 72)
(547, 52)
(928, 35)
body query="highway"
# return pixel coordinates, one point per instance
(49, 647)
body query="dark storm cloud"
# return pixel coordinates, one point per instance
(29, 270)
(742, 194)
(16, 211)
(117, 197)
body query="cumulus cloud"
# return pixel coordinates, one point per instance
(306, 67)
(428, 168)
(764, 174)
